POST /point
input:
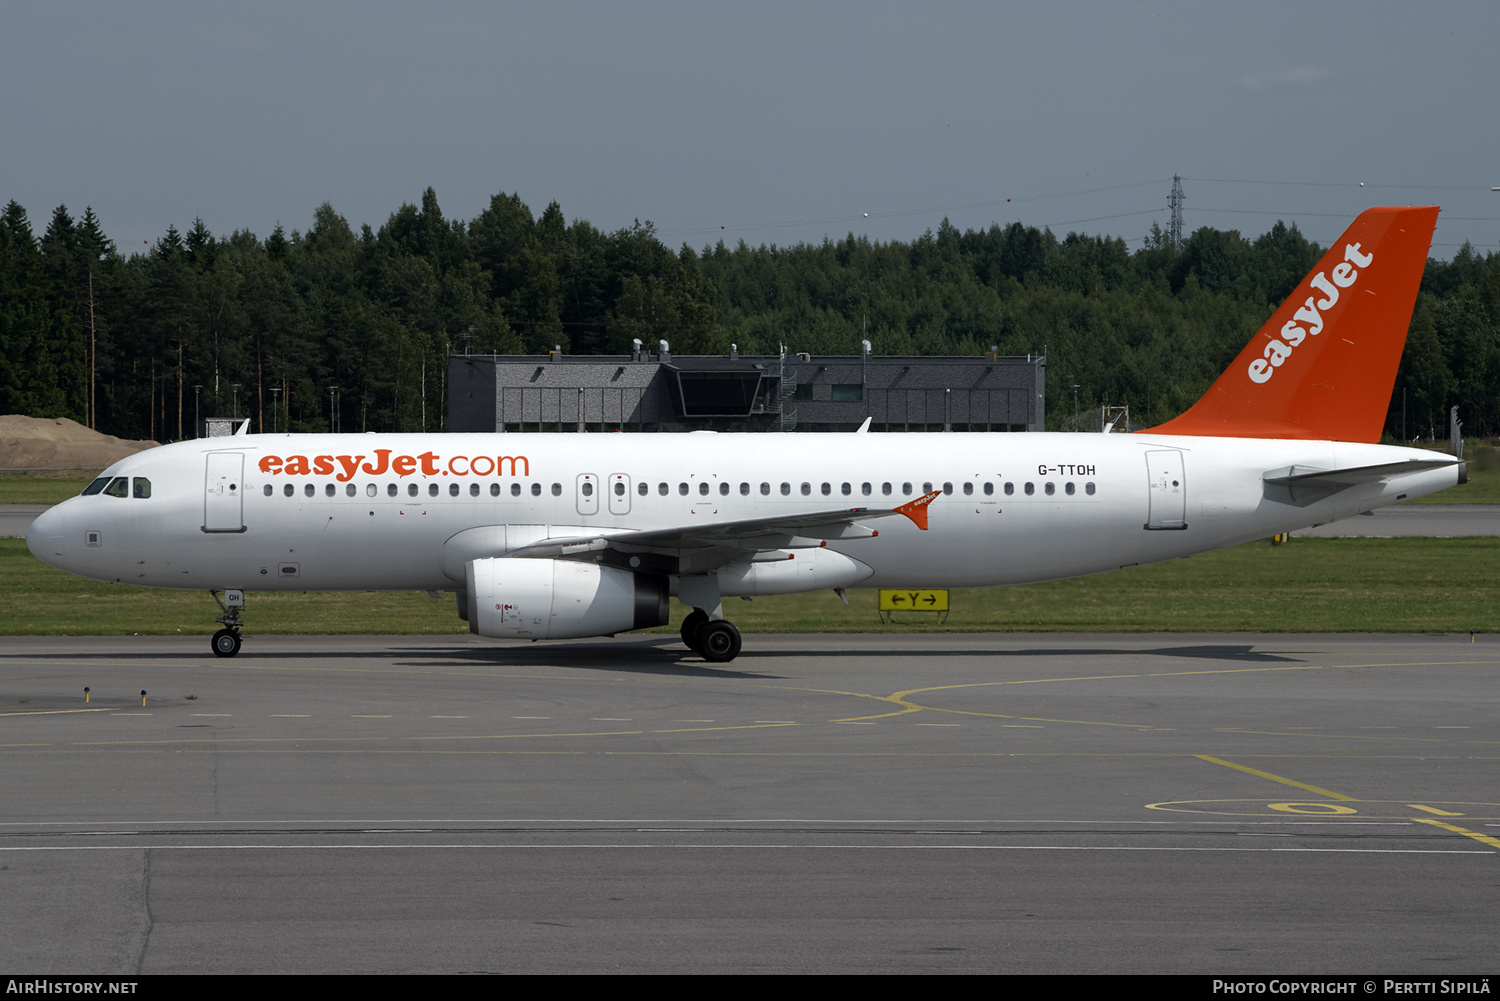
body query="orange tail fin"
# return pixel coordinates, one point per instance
(1324, 365)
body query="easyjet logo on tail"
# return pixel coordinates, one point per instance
(1312, 313)
(345, 467)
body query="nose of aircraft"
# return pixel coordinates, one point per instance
(45, 535)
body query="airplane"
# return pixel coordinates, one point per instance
(553, 536)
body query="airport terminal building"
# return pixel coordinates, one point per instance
(658, 392)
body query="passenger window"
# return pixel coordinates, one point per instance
(268, 491)
(619, 489)
(662, 489)
(142, 487)
(557, 490)
(927, 488)
(1010, 488)
(391, 490)
(885, 489)
(786, 489)
(473, 489)
(947, 488)
(371, 489)
(968, 489)
(411, 490)
(103, 481)
(1051, 490)
(806, 489)
(309, 490)
(329, 490)
(432, 490)
(289, 489)
(349, 489)
(1068, 490)
(120, 487)
(906, 490)
(724, 489)
(703, 489)
(989, 489)
(846, 490)
(494, 490)
(765, 489)
(642, 488)
(587, 489)
(682, 489)
(1088, 488)
(1030, 489)
(536, 490)
(515, 489)
(827, 489)
(865, 489)
(744, 490)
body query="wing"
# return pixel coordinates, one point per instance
(700, 548)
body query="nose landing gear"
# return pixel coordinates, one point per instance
(226, 642)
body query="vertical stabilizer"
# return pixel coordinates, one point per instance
(1324, 365)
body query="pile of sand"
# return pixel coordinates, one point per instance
(58, 443)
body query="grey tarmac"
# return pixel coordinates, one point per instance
(1211, 804)
(15, 519)
(1441, 521)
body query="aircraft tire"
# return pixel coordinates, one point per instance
(691, 626)
(719, 642)
(226, 643)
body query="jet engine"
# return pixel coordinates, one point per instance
(543, 599)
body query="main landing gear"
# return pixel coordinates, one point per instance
(705, 630)
(717, 640)
(226, 642)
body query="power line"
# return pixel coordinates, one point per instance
(896, 213)
(1339, 184)
(1344, 215)
(1100, 218)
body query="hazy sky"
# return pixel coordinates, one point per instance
(772, 123)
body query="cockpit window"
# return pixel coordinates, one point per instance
(118, 487)
(142, 487)
(95, 487)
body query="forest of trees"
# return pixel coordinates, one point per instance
(135, 346)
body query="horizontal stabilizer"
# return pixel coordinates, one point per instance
(1310, 478)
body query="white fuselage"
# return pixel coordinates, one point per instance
(378, 511)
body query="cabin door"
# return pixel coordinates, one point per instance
(1168, 491)
(223, 503)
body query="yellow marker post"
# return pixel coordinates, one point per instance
(910, 600)
(143, 698)
(85, 694)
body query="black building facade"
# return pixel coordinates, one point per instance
(657, 392)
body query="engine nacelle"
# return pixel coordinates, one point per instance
(560, 599)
